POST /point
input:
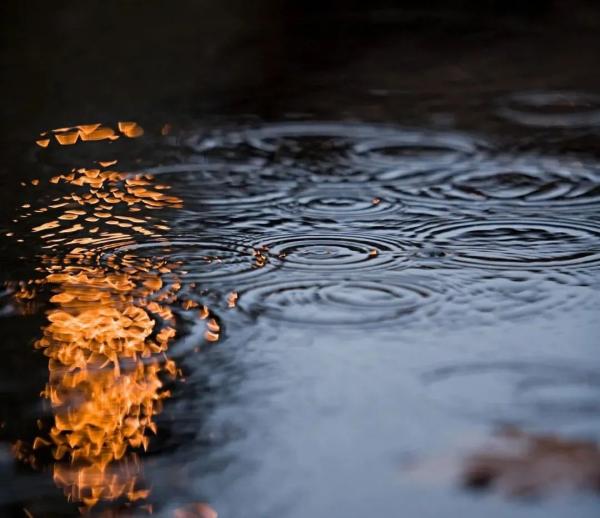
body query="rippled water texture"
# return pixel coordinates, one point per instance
(272, 319)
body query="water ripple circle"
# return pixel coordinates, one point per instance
(222, 187)
(515, 243)
(408, 153)
(552, 109)
(527, 180)
(340, 252)
(514, 295)
(344, 202)
(205, 259)
(365, 302)
(353, 150)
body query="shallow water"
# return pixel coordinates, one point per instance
(285, 315)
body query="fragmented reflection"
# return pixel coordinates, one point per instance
(109, 326)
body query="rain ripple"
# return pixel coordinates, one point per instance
(517, 295)
(265, 163)
(514, 243)
(345, 203)
(409, 154)
(363, 303)
(552, 109)
(510, 179)
(208, 258)
(350, 151)
(339, 252)
(225, 188)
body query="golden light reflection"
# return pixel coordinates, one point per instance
(110, 325)
(89, 132)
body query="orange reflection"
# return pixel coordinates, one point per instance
(131, 129)
(90, 132)
(103, 342)
(108, 330)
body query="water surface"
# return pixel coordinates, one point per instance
(277, 318)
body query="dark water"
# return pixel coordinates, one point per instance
(281, 316)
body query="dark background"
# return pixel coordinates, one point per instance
(70, 62)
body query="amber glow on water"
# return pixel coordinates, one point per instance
(108, 328)
(90, 132)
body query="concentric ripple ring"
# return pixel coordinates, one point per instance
(552, 109)
(515, 243)
(363, 303)
(333, 253)
(206, 259)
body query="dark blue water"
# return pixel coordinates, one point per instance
(299, 318)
